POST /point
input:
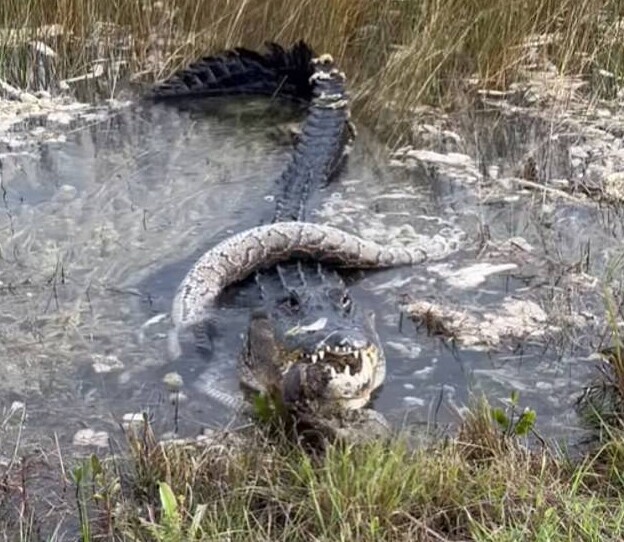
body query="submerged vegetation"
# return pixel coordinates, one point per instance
(496, 479)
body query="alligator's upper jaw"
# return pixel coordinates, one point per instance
(343, 376)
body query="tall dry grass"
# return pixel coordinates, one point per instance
(398, 52)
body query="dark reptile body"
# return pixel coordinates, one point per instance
(300, 286)
(319, 156)
(240, 71)
(320, 150)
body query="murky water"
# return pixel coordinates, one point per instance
(97, 231)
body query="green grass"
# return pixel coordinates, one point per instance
(482, 485)
(398, 54)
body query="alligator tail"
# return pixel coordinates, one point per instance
(278, 71)
(324, 143)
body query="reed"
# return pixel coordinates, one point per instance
(398, 54)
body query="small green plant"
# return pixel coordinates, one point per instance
(84, 477)
(511, 422)
(601, 406)
(171, 527)
(268, 409)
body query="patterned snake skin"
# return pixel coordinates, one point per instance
(238, 256)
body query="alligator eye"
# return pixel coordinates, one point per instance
(345, 302)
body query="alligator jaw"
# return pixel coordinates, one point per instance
(339, 376)
(344, 360)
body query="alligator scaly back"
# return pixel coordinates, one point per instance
(324, 142)
(320, 151)
(279, 71)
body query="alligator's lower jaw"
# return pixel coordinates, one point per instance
(354, 404)
(330, 408)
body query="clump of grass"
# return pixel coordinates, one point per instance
(602, 403)
(397, 53)
(256, 487)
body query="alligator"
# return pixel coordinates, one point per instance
(309, 345)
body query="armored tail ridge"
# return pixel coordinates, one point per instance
(278, 71)
(324, 143)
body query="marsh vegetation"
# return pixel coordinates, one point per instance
(400, 54)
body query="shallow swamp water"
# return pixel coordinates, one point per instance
(97, 230)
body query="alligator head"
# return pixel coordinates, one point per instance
(314, 347)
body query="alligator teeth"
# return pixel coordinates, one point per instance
(358, 354)
(347, 370)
